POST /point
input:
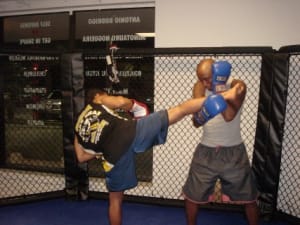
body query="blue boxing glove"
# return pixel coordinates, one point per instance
(212, 106)
(220, 73)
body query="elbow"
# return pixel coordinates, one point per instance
(80, 160)
(79, 157)
(79, 153)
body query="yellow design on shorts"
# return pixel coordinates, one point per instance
(107, 166)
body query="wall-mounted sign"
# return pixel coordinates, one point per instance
(124, 27)
(44, 30)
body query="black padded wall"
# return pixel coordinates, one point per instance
(73, 101)
(2, 144)
(269, 132)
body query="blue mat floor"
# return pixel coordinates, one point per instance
(94, 212)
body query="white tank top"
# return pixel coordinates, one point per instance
(218, 132)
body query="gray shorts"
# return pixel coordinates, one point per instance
(230, 165)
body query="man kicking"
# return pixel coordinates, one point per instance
(100, 132)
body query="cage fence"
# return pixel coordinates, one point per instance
(34, 159)
(174, 78)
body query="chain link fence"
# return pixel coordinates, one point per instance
(34, 144)
(33, 151)
(174, 79)
(289, 182)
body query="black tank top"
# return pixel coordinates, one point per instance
(102, 130)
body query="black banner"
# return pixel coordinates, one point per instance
(124, 27)
(45, 30)
(269, 132)
(136, 76)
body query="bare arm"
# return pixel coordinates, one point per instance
(198, 92)
(82, 156)
(234, 105)
(116, 102)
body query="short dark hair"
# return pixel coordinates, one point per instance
(90, 94)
